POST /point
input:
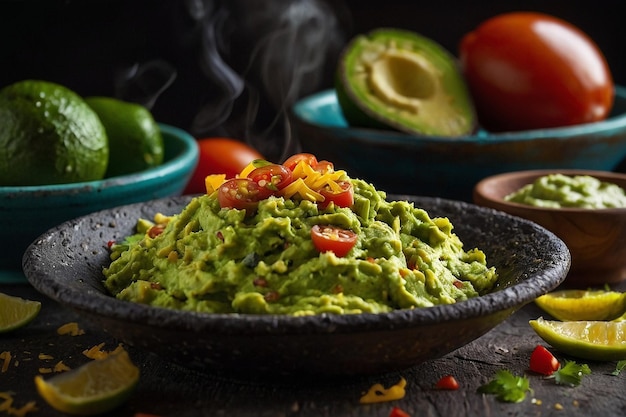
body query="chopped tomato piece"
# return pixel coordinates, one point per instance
(343, 198)
(272, 177)
(333, 239)
(324, 166)
(543, 361)
(293, 160)
(398, 412)
(241, 194)
(447, 382)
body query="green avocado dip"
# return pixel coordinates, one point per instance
(576, 191)
(222, 260)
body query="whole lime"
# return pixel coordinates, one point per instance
(49, 135)
(135, 140)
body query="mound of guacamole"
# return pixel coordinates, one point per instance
(219, 260)
(575, 191)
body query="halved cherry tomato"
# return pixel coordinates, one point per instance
(241, 194)
(543, 361)
(220, 156)
(334, 239)
(447, 382)
(293, 160)
(272, 177)
(343, 198)
(530, 70)
(398, 412)
(324, 166)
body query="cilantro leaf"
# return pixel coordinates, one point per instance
(507, 387)
(571, 373)
(619, 367)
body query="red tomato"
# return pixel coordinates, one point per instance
(543, 361)
(272, 177)
(398, 412)
(529, 70)
(343, 198)
(333, 239)
(447, 382)
(293, 160)
(241, 194)
(220, 156)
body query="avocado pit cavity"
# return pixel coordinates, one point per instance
(402, 79)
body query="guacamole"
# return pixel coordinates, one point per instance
(221, 260)
(562, 191)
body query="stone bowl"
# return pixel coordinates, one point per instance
(596, 238)
(66, 262)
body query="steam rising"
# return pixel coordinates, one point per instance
(256, 58)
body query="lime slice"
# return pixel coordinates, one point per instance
(16, 312)
(574, 305)
(594, 340)
(94, 388)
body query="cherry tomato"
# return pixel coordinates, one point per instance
(543, 361)
(241, 194)
(343, 198)
(272, 177)
(324, 166)
(529, 70)
(333, 239)
(293, 160)
(398, 412)
(447, 382)
(220, 156)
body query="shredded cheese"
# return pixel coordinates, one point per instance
(7, 405)
(70, 328)
(6, 360)
(377, 393)
(96, 352)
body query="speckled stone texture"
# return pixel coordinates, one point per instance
(66, 265)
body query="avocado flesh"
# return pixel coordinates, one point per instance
(400, 80)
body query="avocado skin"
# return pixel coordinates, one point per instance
(366, 113)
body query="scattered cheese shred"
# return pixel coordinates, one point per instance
(61, 367)
(377, 393)
(6, 360)
(96, 352)
(7, 405)
(43, 356)
(70, 328)
(212, 182)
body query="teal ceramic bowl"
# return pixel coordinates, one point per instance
(450, 167)
(27, 212)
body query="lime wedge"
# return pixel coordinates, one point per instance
(94, 388)
(594, 340)
(16, 312)
(574, 305)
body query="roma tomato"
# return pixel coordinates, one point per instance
(530, 70)
(543, 361)
(328, 238)
(220, 156)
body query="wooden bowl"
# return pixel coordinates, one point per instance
(596, 238)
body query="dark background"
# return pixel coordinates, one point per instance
(93, 46)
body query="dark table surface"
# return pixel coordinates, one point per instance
(167, 389)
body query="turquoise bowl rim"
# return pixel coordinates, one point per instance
(306, 110)
(187, 156)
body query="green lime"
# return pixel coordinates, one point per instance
(49, 135)
(94, 388)
(571, 304)
(16, 312)
(594, 340)
(135, 140)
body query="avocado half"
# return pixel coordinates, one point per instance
(397, 79)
